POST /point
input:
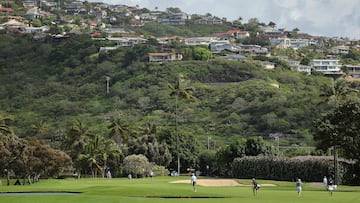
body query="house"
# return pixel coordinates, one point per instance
(33, 14)
(6, 11)
(127, 41)
(194, 41)
(330, 67)
(29, 3)
(164, 57)
(353, 71)
(342, 49)
(237, 34)
(253, 50)
(49, 3)
(285, 42)
(137, 23)
(302, 68)
(217, 46)
(267, 65)
(208, 20)
(175, 19)
(169, 40)
(75, 7)
(14, 25)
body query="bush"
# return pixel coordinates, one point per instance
(137, 165)
(278, 168)
(160, 170)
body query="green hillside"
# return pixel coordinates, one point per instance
(54, 82)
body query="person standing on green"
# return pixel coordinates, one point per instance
(299, 186)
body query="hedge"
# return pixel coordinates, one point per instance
(310, 169)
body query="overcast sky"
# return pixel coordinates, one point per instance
(332, 18)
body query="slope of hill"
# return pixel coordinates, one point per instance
(54, 82)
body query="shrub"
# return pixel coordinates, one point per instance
(137, 165)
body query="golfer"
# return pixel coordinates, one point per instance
(299, 186)
(193, 181)
(256, 186)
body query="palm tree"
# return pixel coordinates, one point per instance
(337, 92)
(118, 128)
(185, 93)
(76, 140)
(98, 150)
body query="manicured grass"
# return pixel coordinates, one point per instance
(146, 190)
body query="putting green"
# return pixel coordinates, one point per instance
(163, 189)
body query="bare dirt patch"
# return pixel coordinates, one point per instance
(217, 182)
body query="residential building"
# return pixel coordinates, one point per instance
(330, 67)
(75, 7)
(29, 3)
(217, 46)
(6, 11)
(127, 41)
(302, 68)
(340, 49)
(169, 40)
(284, 42)
(237, 34)
(33, 13)
(208, 20)
(253, 50)
(164, 57)
(353, 71)
(175, 19)
(194, 41)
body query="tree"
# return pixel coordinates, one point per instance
(75, 142)
(201, 53)
(337, 92)
(272, 24)
(185, 93)
(136, 165)
(148, 145)
(118, 129)
(340, 129)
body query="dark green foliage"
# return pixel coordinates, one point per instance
(278, 168)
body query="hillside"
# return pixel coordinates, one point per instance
(50, 83)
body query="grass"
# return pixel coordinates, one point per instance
(140, 190)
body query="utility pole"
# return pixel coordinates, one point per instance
(335, 166)
(107, 84)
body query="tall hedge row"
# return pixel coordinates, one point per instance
(281, 168)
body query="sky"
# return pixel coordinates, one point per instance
(331, 18)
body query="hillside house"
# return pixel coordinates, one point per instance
(353, 71)
(6, 11)
(253, 50)
(75, 7)
(342, 49)
(329, 67)
(237, 34)
(164, 57)
(194, 41)
(208, 20)
(284, 42)
(127, 41)
(217, 46)
(175, 19)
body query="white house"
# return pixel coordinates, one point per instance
(327, 66)
(220, 45)
(284, 42)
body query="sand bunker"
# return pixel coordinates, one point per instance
(217, 182)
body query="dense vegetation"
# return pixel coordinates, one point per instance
(100, 108)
